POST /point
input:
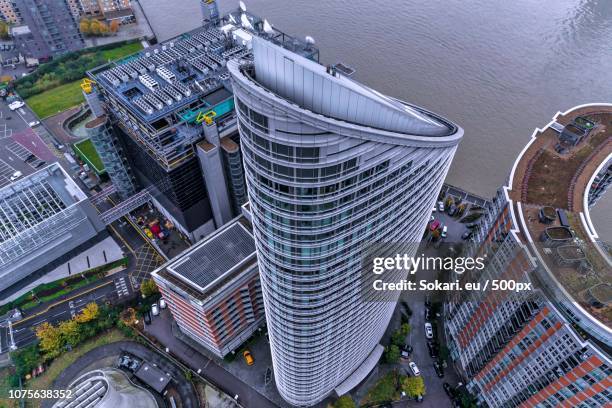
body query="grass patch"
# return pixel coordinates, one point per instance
(56, 100)
(122, 51)
(385, 390)
(5, 386)
(62, 362)
(87, 152)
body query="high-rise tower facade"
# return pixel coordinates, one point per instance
(331, 166)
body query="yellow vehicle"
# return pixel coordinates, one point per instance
(148, 232)
(248, 358)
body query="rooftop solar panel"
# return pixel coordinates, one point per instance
(214, 257)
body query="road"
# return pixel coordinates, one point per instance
(435, 396)
(161, 329)
(114, 288)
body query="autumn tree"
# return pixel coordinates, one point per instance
(114, 26)
(89, 313)
(460, 210)
(85, 26)
(70, 332)
(435, 234)
(413, 386)
(148, 288)
(448, 202)
(4, 30)
(50, 340)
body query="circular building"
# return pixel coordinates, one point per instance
(106, 388)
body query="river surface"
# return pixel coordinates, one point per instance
(498, 68)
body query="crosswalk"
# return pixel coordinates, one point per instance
(122, 289)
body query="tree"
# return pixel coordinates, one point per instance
(26, 360)
(114, 26)
(95, 27)
(89, 313)
(460, 210)
(392, 354)
(471, 217)
(4, 30)
(104, 30)
(398, 338)
(413, 386)
(344, 401)
(85, 26)
(71, 332)
(435, 234)
(50, 340)
(448, 202)
(405, 329)
(148, 288)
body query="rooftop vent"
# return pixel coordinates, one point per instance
(149, 82)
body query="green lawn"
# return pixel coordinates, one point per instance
(66, 96)
(122, 51)
(56, 100)
(88, 153)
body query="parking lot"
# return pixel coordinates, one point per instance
(21, 147)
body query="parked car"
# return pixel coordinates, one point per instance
(248, 358)
(34, 123)
(155, 309)
(433, 349)
(467, 234)
(444, 231)
(16, 175)
(427, 314)
(162, 303)
(449, 390)
(471, 225)
(414, 368)
(407, 348)
(16, 105)
(439, 369)
(452, 210)
(147, 318)
(434, 209)
(428, 330)
(441, 206)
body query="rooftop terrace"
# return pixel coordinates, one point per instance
(548, 174)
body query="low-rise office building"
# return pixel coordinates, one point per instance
(45, 218)
(213, 289)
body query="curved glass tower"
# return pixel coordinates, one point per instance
(331, 165)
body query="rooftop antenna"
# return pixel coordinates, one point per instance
(242, 6)
(245, 22)
(267, 27)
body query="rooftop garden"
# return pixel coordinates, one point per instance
(87, 152)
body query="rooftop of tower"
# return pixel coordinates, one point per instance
(556, 171)
(325, 91)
